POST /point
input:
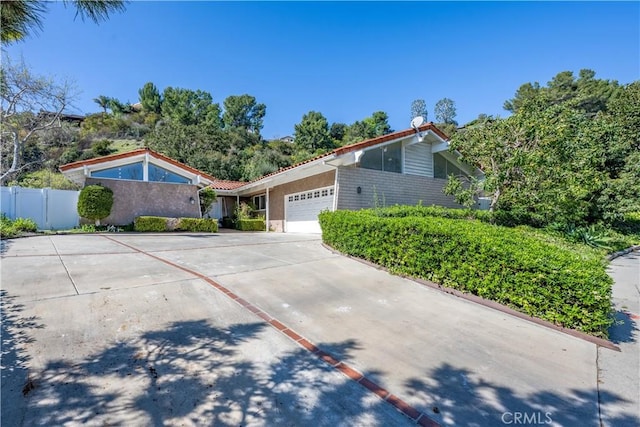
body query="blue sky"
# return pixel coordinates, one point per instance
(344, 59)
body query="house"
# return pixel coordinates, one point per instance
(404, 167)
(145, 183)
(287, 138)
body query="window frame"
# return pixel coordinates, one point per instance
(261, 201)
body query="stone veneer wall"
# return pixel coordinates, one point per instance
(136, 198)
(389, 188)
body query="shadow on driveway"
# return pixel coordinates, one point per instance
(190, 372)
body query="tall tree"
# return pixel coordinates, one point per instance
(445, 111)
(586, 92)
(312, 133)
(375, 125)
(190, 107)
(620, 135)
(563, 133)
(378, 124)
(150, 98)
(118, 107)
(103, 102)
(419, 108)
(243, 111)
(337, 132)
(30, 104)
(20, 18)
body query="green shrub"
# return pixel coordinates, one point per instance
(102, 147)
(25, 224)
(399, 211)
(206, 225)
(13, 228)
(150, 223)
(7, 230)
(251, 224)
(513, 266)
(157, 223)
(95, 202)
(228, 222)
(207, 197)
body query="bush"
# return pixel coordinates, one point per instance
(399, 211)
(9, 228)
(251, 224)
(150, 223)
(207, 197)
(227, 222)
(512, 266)
(25, 224)
(95, 202)
(102, 147)
(206, 225)
(158, 223)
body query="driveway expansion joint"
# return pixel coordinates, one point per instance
(400, 405)
(65, 267)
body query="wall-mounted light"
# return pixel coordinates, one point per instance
(359, 190)
(192, 200)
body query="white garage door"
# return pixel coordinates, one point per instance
(302, 209)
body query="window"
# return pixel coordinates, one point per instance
(387, 158)
(442, 167)
(158, 174)
(132, 172)
(260, 202)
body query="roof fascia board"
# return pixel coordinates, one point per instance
(142, 157)
(302, 171)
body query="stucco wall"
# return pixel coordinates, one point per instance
(276, 195)
(389, 188)
(136, 198)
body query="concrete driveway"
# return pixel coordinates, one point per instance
(270, 329)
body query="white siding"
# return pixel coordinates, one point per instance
(418, 160)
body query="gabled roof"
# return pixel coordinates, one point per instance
(134, 153)
(227, 185)
(72, 170)
(361, 145)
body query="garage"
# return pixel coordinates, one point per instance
(302, 209)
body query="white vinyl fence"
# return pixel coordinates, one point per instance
(50, 209)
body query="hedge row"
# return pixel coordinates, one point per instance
(251, 224)
(157, 223)
(507, 265)
(400, 211)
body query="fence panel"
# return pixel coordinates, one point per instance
(61, 210)
(50, 209)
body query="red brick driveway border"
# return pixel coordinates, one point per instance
(420, 418)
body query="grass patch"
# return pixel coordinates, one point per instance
(125, 145)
